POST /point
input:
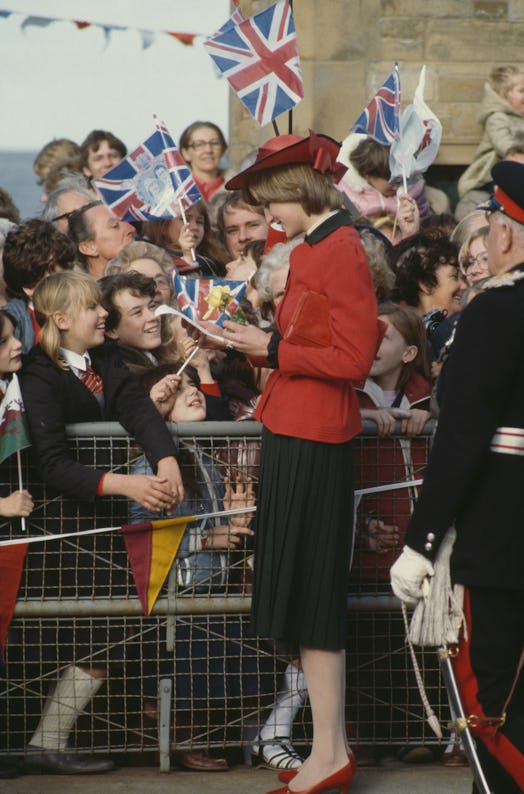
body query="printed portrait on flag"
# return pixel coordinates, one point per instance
(151, 183)
(154, 188)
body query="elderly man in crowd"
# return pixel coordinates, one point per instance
(99, 236)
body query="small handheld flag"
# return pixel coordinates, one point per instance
(14, 434)
(151, 183)
(259, 58)
(420, 136)
(380, 119)
(212, 299)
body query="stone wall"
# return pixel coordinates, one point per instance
(347, 48)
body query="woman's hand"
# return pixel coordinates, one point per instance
(239, 495)
(18, 503)
(227, 536)
(246, 339)
(415, 424)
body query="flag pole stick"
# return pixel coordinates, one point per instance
(405, 186)
(275, 128)
(404, 178)
(290, 114)
(184, 218)
(394, 226)
(20, 485)
(186, 362)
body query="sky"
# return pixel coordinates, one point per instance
(59, 81)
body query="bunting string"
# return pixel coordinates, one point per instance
(147, 36)
(99, 530)
(359, 492)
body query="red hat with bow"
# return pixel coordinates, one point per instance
(318, 151)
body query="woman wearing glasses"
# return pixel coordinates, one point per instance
(473, 256)
(202, 145)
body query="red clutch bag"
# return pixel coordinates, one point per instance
(309, 325)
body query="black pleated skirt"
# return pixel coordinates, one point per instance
(304, 540)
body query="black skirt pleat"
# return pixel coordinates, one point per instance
(304, 541)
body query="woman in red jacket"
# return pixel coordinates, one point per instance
(310, 414)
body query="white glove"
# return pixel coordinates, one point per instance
(408, 574)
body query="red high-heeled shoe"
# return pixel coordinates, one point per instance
(338, 780)
(288, 774)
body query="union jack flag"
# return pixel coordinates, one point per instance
(236, 18)
(259, 58)
(420, 136)
(213, 299)
(380, 119)
(151, 182)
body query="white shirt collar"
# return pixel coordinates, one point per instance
(315, 225)
(75, 360)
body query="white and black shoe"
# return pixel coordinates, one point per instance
(275, 753)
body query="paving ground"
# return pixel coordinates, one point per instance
(395, 778)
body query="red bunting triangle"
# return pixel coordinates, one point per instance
(184, 38)
(11, 567)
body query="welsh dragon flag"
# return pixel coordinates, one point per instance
(13, 427)
(14, 436)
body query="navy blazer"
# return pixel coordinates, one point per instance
(475, 471)
(55, 397)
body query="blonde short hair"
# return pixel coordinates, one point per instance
(481, 233)
(139, 250)
(503, 78)
(296, 182)
(61, 292)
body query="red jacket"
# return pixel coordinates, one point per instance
(310, 395)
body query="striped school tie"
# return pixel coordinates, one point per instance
(92, 380)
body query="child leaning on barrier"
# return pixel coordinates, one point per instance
(398, 388)
(203, 666)
(71, 376)
(200, 559)
(18, 502)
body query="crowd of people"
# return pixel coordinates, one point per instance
(395, 271)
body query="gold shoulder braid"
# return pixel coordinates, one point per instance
(505, 280)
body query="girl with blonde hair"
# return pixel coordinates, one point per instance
(72, 376)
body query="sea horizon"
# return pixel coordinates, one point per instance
(20, 181)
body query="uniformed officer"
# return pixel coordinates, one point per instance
(474, 480)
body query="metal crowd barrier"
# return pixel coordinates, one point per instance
(78, 604)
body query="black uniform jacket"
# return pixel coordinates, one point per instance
(475, 474)
(54, 397)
